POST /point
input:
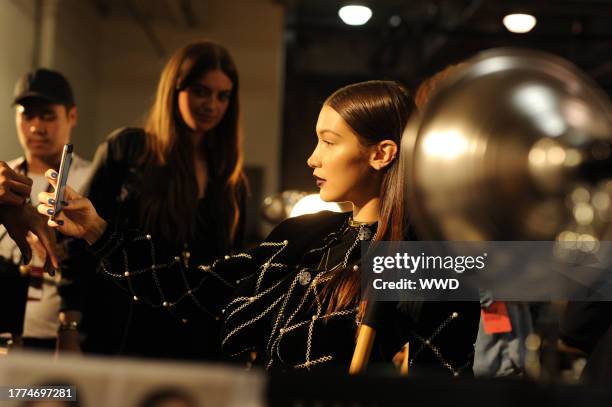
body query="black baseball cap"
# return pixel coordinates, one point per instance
(51, 86)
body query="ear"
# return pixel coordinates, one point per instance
(72, 115)
(383, 154)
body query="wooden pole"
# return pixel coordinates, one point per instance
(363, 348)
(406, 360)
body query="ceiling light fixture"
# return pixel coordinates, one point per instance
(355, 14)
(519, 23)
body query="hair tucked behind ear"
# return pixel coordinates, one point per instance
(376, 111)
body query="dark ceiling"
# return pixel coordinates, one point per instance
(435, 33)
(432, 33)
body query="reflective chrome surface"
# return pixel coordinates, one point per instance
(504, 145)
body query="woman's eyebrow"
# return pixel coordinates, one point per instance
(204, 86)
(333, 133)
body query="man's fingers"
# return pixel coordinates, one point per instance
(20, 188)
(37, 248)
(24, 247)
(9, 174)
(40, 251)
(44, 239)
(20, 178)
(9, 198)
(32, 238)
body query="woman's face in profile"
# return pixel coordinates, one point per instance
(340, 162)
(203, 103)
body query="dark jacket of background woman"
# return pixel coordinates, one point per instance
(113, 322)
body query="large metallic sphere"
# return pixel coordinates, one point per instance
(514, 146)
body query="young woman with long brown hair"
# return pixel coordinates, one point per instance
(179, 178)
(295, 299)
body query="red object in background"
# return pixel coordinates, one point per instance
(495, 318)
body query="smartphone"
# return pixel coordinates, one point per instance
(62, 178)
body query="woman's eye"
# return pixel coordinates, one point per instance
(199, 91)
(329, 143)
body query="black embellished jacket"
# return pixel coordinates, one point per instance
(268, 302)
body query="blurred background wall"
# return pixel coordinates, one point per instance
(16, 43)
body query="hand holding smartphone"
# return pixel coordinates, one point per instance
(62, 179)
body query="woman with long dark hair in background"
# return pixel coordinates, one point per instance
(294, 301)
(180, 178)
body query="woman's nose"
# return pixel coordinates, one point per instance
(313, 161)
(210, 102)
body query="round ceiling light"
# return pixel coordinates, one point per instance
(355, 14)
(519, 23)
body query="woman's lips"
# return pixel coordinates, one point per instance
(320, 181)
(205, 118)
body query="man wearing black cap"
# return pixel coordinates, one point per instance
(45, 116)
